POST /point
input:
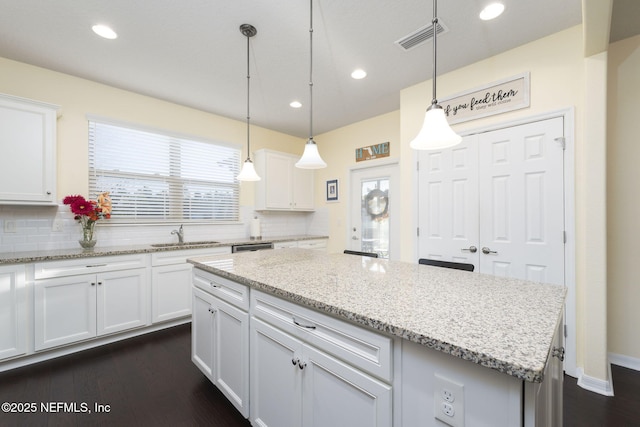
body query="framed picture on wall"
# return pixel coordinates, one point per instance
(332, 190)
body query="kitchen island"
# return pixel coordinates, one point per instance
(428, 333)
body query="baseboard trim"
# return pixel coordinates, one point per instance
(625, 361)
(596, 385)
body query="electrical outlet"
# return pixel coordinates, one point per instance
(9, 226)
(448, 401)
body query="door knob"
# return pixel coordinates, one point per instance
(471, 249)
(488, 251)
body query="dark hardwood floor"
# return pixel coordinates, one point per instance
(151, 381)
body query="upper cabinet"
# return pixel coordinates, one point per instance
(28, 145)
(283, 186)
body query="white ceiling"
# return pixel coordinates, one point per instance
(191, 52)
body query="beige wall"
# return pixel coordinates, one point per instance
(78, 97)
(623, 201)
(337, 148)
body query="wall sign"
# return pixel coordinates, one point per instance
(372, 152)
(332, 190)
(496, 98)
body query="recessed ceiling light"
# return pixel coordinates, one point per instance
(295, 104)
(104, 31)
(492, 11)
(359, 74)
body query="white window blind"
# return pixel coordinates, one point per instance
(153, 177)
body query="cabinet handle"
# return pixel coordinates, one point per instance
(99, 283)
(48, 193)
(312, 327)
(95, 265)
(93, 283)
(301, 364)
(295, 361)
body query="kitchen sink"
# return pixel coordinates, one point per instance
(184, 244)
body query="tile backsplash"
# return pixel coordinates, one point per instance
(31, 228)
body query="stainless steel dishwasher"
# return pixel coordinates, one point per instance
(251, 247)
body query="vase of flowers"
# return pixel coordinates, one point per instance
(87, 213)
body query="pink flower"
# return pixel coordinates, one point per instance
(80, 206)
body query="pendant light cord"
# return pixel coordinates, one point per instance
(248, 91)
(434, 100)
(310, 70)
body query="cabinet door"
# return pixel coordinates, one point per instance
(121, 300)
(170, 292)
(275, 381)
(278, 181)
(65, 310)
(335, 394)
(302, 189)
(27, 164)
(202, 332)
(13, 311)
(231, 354)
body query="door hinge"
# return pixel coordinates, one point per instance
(564, 237)
(418, 166)
(418, 231)
(565, 331)
(562, 141)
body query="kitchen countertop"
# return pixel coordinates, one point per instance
(60, 254)
(503, 324)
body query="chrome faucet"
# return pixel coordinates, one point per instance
(180, 233)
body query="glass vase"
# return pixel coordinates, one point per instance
(87, 241)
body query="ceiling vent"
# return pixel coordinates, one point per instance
(419, 36)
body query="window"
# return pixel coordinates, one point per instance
(155, 177)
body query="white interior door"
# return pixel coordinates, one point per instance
(522, 202)
(497, 201)
(448, 203)
(374, 212)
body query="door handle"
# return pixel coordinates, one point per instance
(488, 251)
(471, 249)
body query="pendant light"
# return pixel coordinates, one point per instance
(311, 157)
(436, 132)
(248, 172)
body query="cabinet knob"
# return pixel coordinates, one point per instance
(99, 283)
(301, 364)
(295, 361)
(48, 193)
(93, 283)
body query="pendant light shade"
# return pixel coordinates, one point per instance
(435, 133)
(248, 172)
(311, 156)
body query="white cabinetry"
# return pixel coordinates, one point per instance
(171, 282)
(220, 331)
(283, 186)
(13, 311)
(28, 160)
(81, 299)
(308, 369)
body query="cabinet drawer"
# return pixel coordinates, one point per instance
(49, 269)
(225, 289)
(181, 256)
(364, 349)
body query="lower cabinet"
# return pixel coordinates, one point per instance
(13, 311)
(295, 384)
(73, 308)
(220, 346)
(171, 282)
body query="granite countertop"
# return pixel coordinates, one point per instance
(503, 324)
(60, 254)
